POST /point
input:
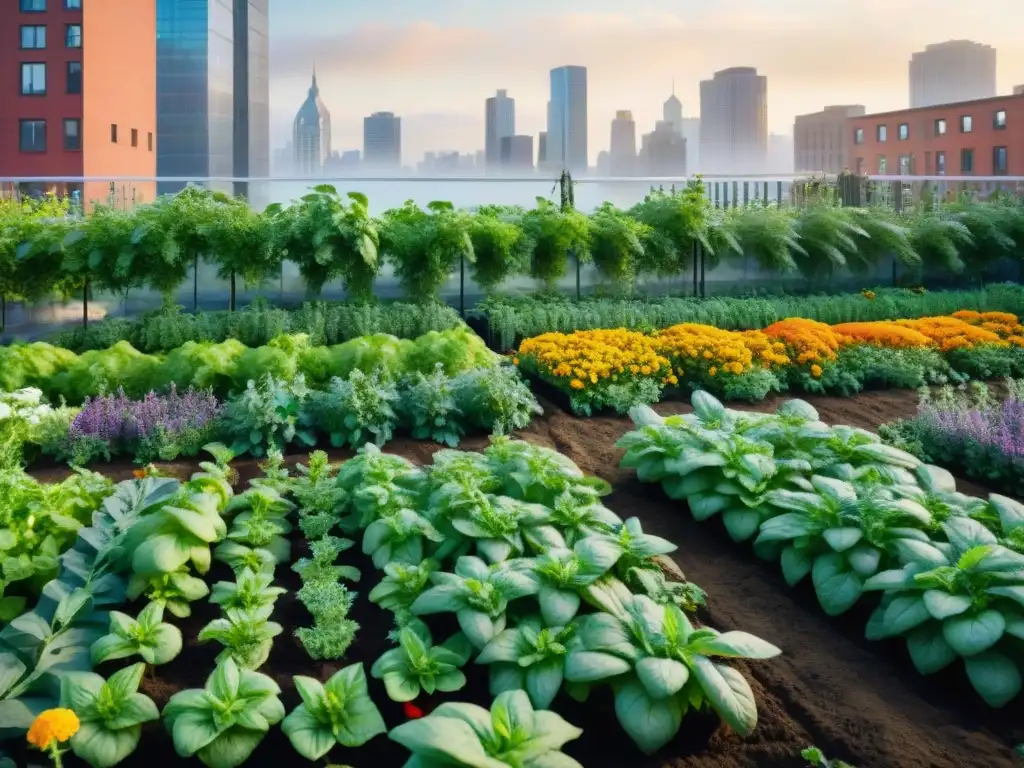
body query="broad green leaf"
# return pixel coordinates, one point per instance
(971, 634)
(728, 693)
(103, 748)
(741, 524)
(838, 589)
(796, 564)
(308, 736)
(650, 723)
(661, 678)
(941, 605)
(543, 681)
(591, 666)
(735, 644)
(904, 613)
(995, 677)
(929, 650)
(231, 749)
(841, 539)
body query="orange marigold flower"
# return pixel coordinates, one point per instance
(52, 726)
(816, 370)
(576, 384)
(712, 371)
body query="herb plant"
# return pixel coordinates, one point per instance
(146, 636)
(418, 665)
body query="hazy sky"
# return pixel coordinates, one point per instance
(435, 61)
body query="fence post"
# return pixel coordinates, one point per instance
(718, 193)
(701, 249)
(746, 193)
(735, 193)
(778, 193)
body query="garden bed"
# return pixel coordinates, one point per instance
(856, 700)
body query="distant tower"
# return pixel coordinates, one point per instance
(567, 120)
(950, 72)
(734, 122)
(311, 133)
(500, 123)
(622, 152)
(673, 111)
(382, 140)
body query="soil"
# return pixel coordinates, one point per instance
(858, 701)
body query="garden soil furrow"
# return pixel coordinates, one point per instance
(859, 701)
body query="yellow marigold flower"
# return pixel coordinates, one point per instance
(576, 384)
(634, 369)
(51, 727)
(515, 361)
(707, 355)
(593, 378)
(645, 370)
(712, 371)
(815, 370)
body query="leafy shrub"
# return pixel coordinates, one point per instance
(266, 417)
(353, 411)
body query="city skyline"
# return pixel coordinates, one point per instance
(437, 67)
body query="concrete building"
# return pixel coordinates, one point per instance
(672, 112)
(60, 118)
(665, 151)
(567, 120)
(311, 134)
(213, 91)
(517, 152)
(950, 72)
(622, 150)
(500, 122)
(691, 133)
(542, 149)
(820, 140)
(972, 138)
(734, 122)
(382, 140)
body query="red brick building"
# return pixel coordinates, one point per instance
(78, 93)
(821, 143)
(970, 138)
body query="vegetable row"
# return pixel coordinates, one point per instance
(858, 517)
(619, 369)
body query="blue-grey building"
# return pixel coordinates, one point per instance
(382, 140)
(567, 120)
(213, 91)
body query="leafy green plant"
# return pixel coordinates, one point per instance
(511, 734)
(556, 235)
(178, 535)
(425, 246)
(266, 416)
(402, 584)
(110, 712)
(530, 657)
(250, 591)
(418, 665)
(247, 636)
(224, 722)
(429, 408)
(339, 711)
(322, 566)
(174, 591)
(817, 759)
(146, 636)
(353, 411)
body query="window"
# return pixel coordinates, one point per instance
(113, 133)
(32, 135)
(998, 160)
(904, 131)
(74, 77)
(940, 163)
(967, 161)
(883, 166)
(32, 6)
(904, 165)
(73, 36)
(149, 140)
(940, 127)
(881, 133)
(858, 136)
(966, 124)
(999, 120)
(72, 134)
(135, 137)
(72, 5)
(33, 79)
(33, 38)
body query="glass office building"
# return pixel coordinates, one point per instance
(212, 91)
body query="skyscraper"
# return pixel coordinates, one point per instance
(517, 152)
(734, 122)
(500, 122)
(665, 151)
(673, 112)
(950, 72)
(213, 90)
(622, 150)
(567, 119)
(311, 134)
(382, 140)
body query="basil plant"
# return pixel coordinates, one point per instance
(147, 636)
(339, 711)
(530, 657)
(111, 713)
(419, 665)
(958, 599)
(224, 722)
(660, 666)
(512, 735)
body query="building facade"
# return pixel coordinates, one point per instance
(382, 140)
(517, 152)
(567, 120)
(691, 133)
(213, 92)
(311, 134)
(665, 151)
(542, 149)
(734, 122)
(71, 109)
(951, 72)
(499, 123)
(672, 112)
(622, 150)
(820, 140)
(972, 138)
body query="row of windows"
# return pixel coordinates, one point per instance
(39, 6)
(33, 78)
(32, 135)
(939, 128)
(33, 37)
(1000, 163)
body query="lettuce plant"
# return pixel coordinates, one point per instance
(111, 713)
(377, 484)
(512, 735)
(339, 711)
(247, 636)
(147, 636)
(577, 517)
(419, 665)
(530, 657)
(539, 475)
(240, 557)
(661, 667)
(958, 599)
(250, 591)
(262, 525)
(178, 534)
(225, 721)
(402, 584)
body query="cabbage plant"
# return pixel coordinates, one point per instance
(224, 722)
(339, 711)
(512, 735)
(530, 657)
(958, 599)
(111, 713)
(146, 636)
(660, 667)
(419, 665)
